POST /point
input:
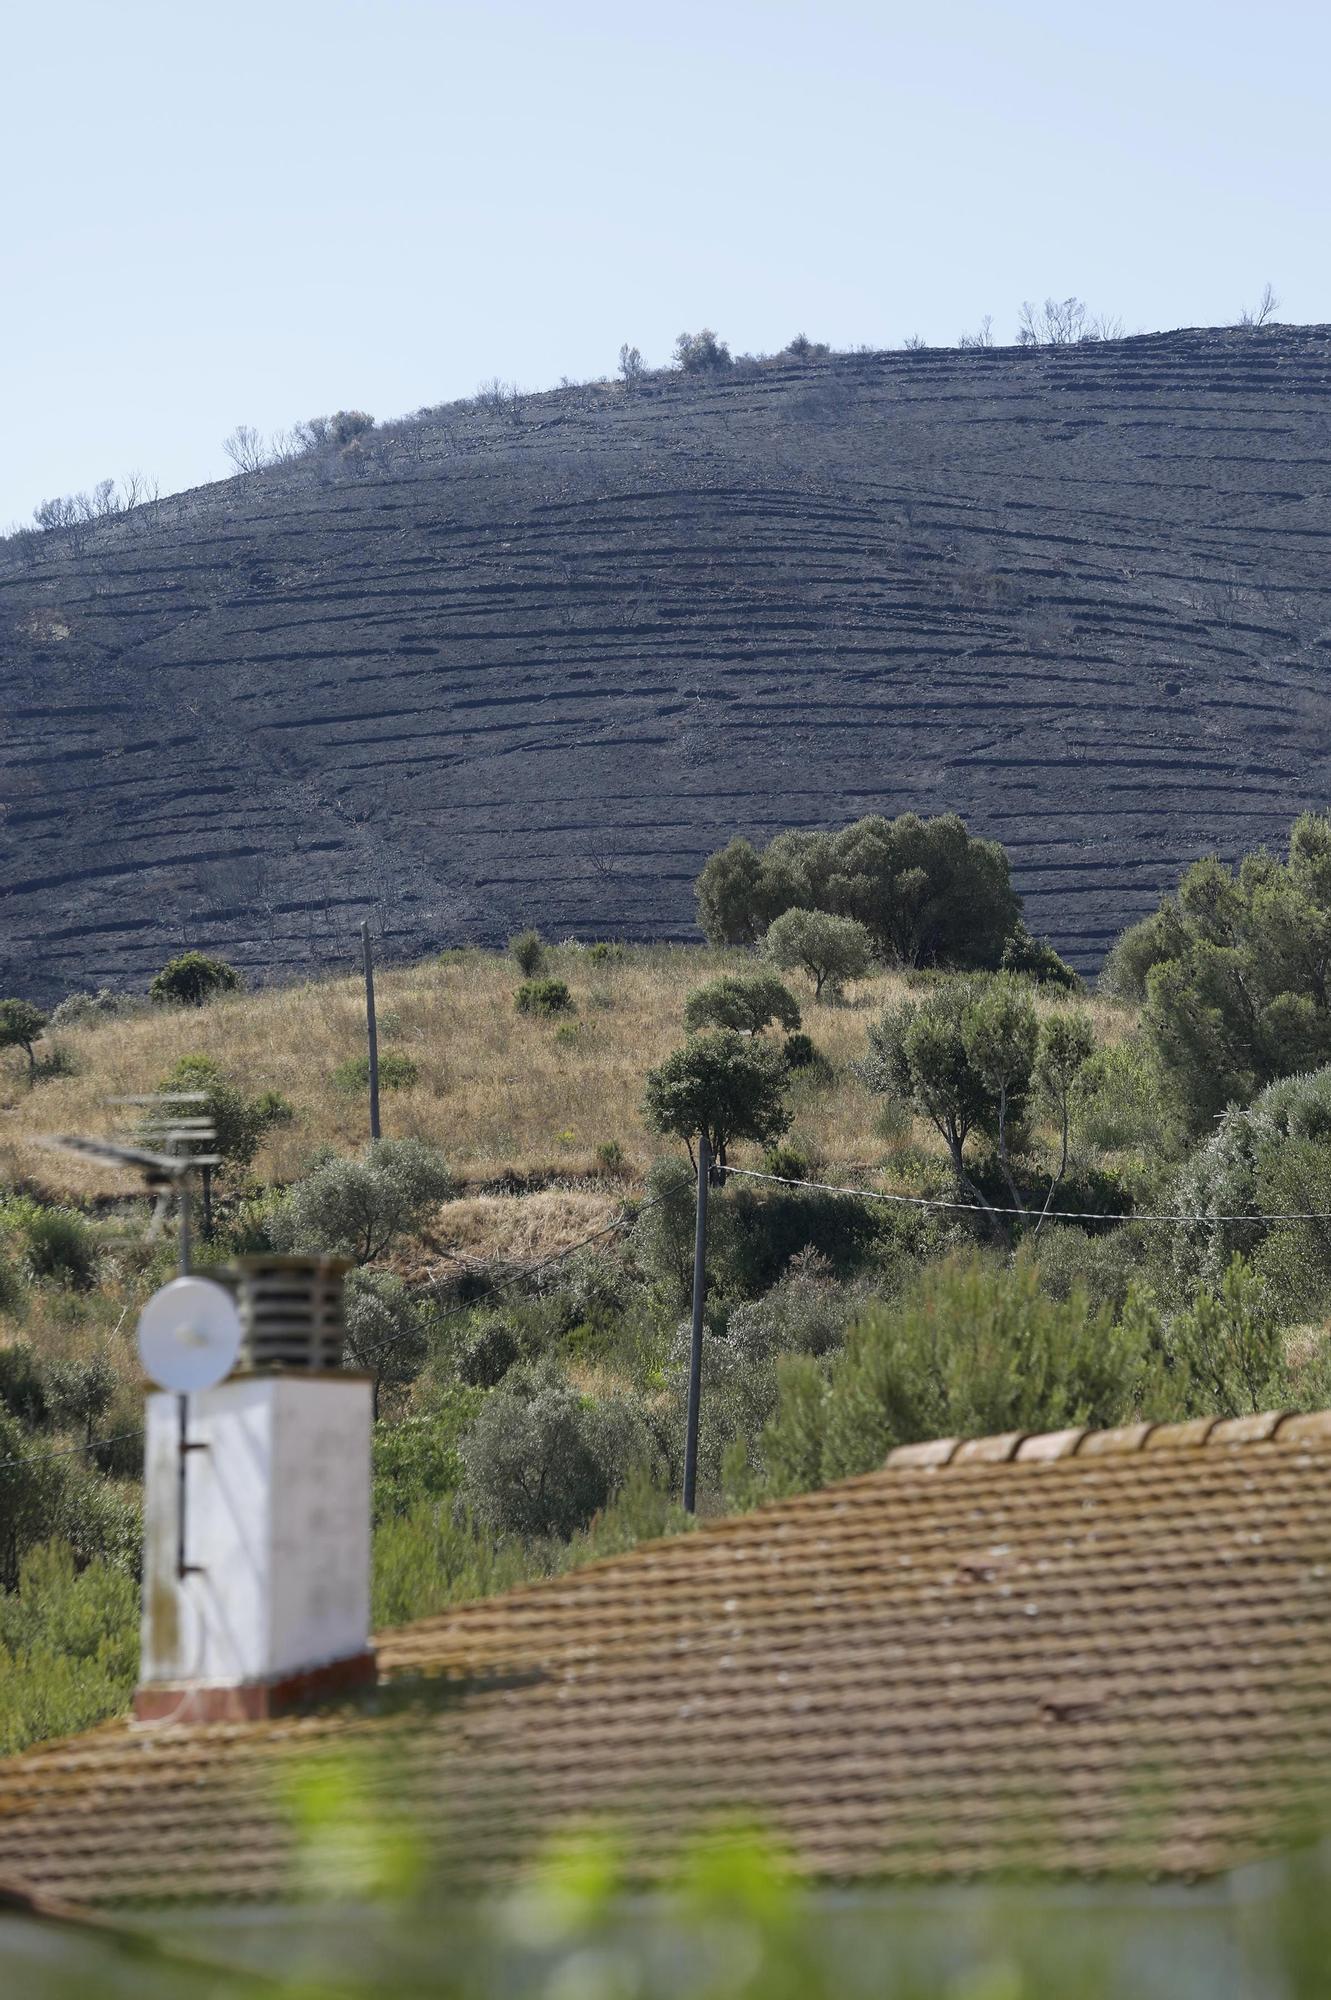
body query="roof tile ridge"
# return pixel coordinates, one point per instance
(1081, 1441)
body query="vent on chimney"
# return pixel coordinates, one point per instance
(290, 1311)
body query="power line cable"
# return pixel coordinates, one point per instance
(995, 1208)
(66, 1450)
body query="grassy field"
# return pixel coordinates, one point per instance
(502, 1094)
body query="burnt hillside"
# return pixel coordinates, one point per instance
(476, 671)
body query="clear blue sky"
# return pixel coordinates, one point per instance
(258, 210)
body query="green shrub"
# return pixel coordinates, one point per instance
(363, 1206)
(57, 1062)
(386, 1332)
(193, 979)
(1272, 1159)
(802, 1053)
(527, 950)
(21, 1024)
(52, 1243)
(238, 1122)
(272, 1108)
(396, 1072)
(1035, 958)
(753, 1234)
(69, 1646)
(11, 1289)
(974, 1347)
(544, 997)
(490, 1349)
(417, 1460)
(1232, 971)
(1229, 1348)
(542, 1459)
(605, 954)
(79, 1392)
(92, 1010)
(610, 1158)
(1121, 1101)
(702, 353)
(433, 1556)
(22, 1391)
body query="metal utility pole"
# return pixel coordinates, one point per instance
(370, 1028)
(695, 1348)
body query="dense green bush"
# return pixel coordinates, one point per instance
(79, 1392)
(831, 950)
(238, 1122)
(1035, 958)
(926, 892)
(417, 1459)
(396, 1072)
(542, 1459)
(387, 1334)
(747, 1005)
(974, 1347)
(1272, 1158)
(543, 997)
(51, 1243)
(22, 1385)
(272, 1108)
(363, 1206)
(69, 1646)
(1228, 1348)
(192, 979)
(1233, 972)
(754, 1232)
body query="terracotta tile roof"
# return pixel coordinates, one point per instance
(1087, 1653)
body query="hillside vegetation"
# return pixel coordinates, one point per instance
(538, 657)
(510, 1098)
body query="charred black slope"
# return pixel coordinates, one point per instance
(478, 672)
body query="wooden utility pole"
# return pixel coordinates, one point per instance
(371, 1030)
(695, 1345)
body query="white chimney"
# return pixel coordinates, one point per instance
(256, 1566)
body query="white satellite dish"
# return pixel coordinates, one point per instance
(189, 1335)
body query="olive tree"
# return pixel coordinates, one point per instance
(748, 1005)
(967, 1059)
(829, 949)
(192, 979)
(386, 1332)
(918, 1054)
(722, 1084)
(542, 1459)
(21, 1025)
(363, 1206)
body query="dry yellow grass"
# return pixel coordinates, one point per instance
(484, 1229)
(500, 1093)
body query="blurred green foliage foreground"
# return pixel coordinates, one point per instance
(733, 1924)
